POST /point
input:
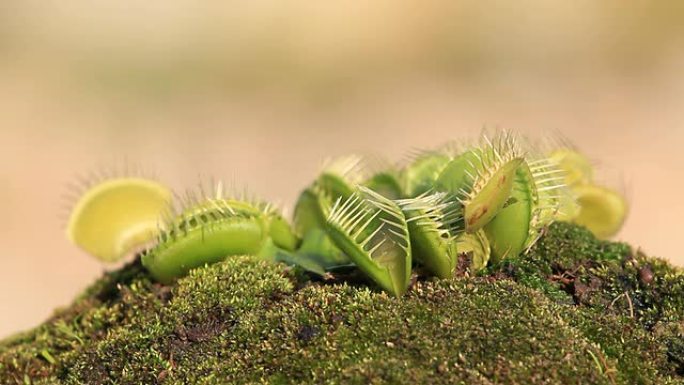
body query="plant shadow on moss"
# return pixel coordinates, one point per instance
(574, 310)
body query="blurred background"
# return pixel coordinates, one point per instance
(259, 92)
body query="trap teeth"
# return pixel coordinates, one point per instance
(469, 203)
(485, 202)
(429, 219)
(373, 232)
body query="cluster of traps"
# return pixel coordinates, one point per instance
(469, 204)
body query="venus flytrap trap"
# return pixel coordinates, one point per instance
(552, 200)
(458, 176)
(482, 179)
(422, 168)
(533, 205)
(448, 209)
(578, 168)
(387, 183)
(336, 180)
(117, 215)
(373, 232)
(211, 229)
(492, 181)
(204, 206)
(509, 231)
(178, 251)
(340, 176)
(431, 219)
(311, 210)
(420, 175)
(599, 208)
(309, 221)
(602, 210)
(485, 201)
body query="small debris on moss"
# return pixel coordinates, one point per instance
(574, 310)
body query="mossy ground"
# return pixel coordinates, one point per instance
(573, 311)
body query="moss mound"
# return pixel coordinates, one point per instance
(573, 311)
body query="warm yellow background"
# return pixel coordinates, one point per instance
(258, 92)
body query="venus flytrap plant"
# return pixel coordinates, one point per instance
(458, 176)
(449, 206)
(373, 232)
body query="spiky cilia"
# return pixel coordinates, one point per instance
(373, 232)
(432, 220)
(472, 203)
(212, 229)
(117, 215)
(534, 204)
(336, 181)
(482, 179)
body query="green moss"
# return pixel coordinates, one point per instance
(561, 314)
